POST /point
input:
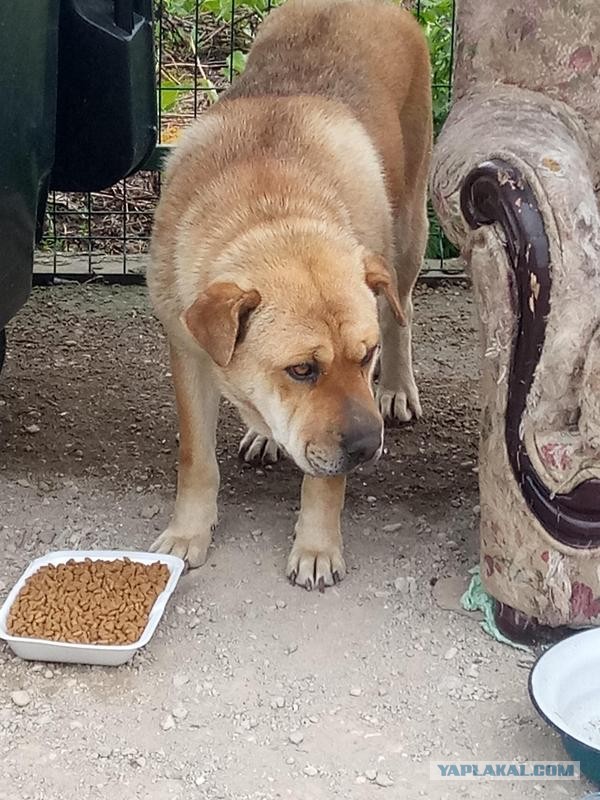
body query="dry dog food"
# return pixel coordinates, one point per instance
(91, 602)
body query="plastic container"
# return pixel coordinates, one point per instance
(73, 653)
(28, 81)
(564, 686)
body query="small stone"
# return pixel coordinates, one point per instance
(310, 771)
(180, 712)
(291, 649)
(384, 780)
(43, 486)
(382, 691)
(355, 691)
(406, 584)
(296, 737)
(168, 723)
(472, 672)
(20, 698)
(45, 537)
(148, 512)
(280, 604)
(139, 761)
(447, 593)
(279, 702)
(71, 491)
(24, 483)
(450, 654)
(76, 725)
(370, 774)
(48, 674)
(393, 527)
(32, 428)
(371, 499)
(174, 774)
(200, 779)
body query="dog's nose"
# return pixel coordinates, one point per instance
(362, 445)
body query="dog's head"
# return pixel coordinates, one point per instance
(294, 337)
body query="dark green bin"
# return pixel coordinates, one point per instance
(77, 113)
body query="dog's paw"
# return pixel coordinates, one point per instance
(258, 449)
(193, 549)
(315, 569)
(402, 406)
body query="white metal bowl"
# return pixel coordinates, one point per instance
(109, 655)
(564, 686)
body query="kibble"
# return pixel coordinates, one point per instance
(88, 602)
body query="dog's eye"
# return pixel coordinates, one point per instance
(369, 356)
(303, 372)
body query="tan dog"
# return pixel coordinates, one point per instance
(287, 207)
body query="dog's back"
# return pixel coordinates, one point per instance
(366, 54)
(344, 50)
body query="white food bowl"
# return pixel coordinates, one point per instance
(74, 653)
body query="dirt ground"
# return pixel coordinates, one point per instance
(252, 688)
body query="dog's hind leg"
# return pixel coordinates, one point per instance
(397, 391)
(190, 531)
(316, 559)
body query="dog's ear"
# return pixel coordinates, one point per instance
(379, 280)
(216, 317)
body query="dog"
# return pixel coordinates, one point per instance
(287, 241)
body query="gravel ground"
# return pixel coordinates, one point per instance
(251, 688)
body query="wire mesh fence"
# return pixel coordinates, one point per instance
(201, 45)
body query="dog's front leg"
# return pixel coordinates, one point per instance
(190, 532)
(316, 558)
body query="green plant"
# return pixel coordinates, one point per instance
(223, 9)
(438, 246)
(180, 8)
(235, 65)
(436, 17)
(168, 95)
